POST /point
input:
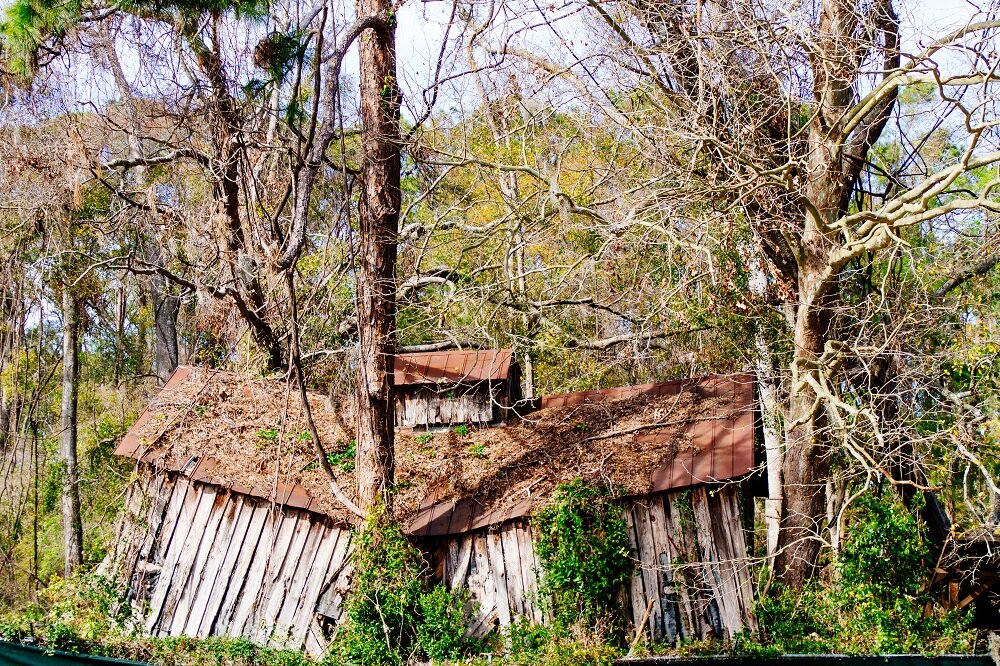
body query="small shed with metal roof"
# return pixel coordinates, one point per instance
(438, 389)
(231, 529)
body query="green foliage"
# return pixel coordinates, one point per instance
(425, 438)
(278, 52)
(477, 450)
(461, 430)
(28, 24)
(247, 9)
(72, 614)
(584, 550)
(344, 457)
(540, 645)
(442, 630)
(877, 601)
(393, 613)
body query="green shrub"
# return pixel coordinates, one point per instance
(878, 597)
(393, 612)
(442, 632)
(584, 551)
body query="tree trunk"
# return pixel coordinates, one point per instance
(72, 526)
(379, 221)
(807, 458)
(166, 307)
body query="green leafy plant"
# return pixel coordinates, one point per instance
(267, 436)
(584, 550)
(461, 430)
(344, 457)
(394, 614)
(878, 599)
(477, 450)
(425, 439)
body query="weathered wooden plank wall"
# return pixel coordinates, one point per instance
(692, 567)
(693, 564)
(430, 405)
(209, 562)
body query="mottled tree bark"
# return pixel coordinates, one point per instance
(379, 221)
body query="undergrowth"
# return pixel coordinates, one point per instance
(394, 613)
(874, 599)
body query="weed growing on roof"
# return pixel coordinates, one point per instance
(344, 458)
(583, 548)
(267, 436)
(393, 613)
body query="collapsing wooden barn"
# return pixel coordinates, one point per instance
(230, 528)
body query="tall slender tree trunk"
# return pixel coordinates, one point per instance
(72, 526)
(379, 222)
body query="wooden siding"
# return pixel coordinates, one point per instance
(206, 561)
(430, 405)
(692, 567)
(500, 569)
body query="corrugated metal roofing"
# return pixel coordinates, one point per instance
(452, 366)
(716, 445)
(721, 448)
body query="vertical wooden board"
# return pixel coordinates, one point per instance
(512, 558)
(279, 586)
(482, 585)
(311, 558)
(498, 565)
(647, 558)
(201, 543)
(733, 558)
(687, 572)
(664, 556)
(208, 573)
(339, 587)
(329, 601)
(256, 543)
(725, 528)
(636, 587)
(710, 561)
(539, 575)
(316, 577)
(170, 548)
(269, 557)
(529, 573)
(216, 590)
(460, 559)
(260, 627)
(129, 529)
(189, 549)
(163, 511)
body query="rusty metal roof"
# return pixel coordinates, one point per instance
(452, 366)
(721, 448)
(713, 443)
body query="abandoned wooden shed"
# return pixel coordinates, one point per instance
(436, 389)
(230, 529)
